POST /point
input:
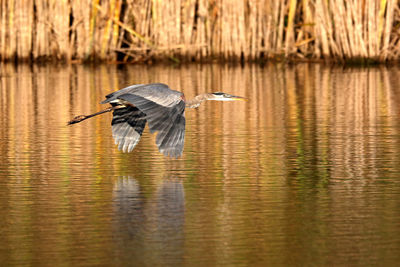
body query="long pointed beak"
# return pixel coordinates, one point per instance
(239, 98)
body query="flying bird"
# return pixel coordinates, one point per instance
(158, 105)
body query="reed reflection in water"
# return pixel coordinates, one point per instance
(306, 172)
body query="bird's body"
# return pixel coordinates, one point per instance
(159, 106)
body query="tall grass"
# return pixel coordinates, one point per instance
(193, 30)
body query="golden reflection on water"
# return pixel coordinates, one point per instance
(305, 171)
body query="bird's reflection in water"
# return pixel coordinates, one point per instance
(148, 227)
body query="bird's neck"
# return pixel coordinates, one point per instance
(195, 102)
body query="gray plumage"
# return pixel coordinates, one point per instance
(127, 127)
(158, 93)
(162, 108)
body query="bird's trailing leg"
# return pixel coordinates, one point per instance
(84, 117)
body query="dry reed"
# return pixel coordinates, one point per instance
(127, 30)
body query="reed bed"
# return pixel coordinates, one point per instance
(199, 30)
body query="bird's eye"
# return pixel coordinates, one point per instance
(219, 93)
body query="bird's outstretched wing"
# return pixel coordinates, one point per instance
(169, 122)
(127, 127)
(157, 92)
(164, 111)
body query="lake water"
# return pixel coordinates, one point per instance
(306, 172)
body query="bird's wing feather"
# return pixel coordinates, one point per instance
(158, 93)
(168, 121)
(127, 127)
(170, 140)
(115, 94)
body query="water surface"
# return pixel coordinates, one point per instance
(307, 172)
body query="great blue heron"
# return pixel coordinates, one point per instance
(162, 108)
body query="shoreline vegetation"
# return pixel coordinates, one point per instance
(357, 31)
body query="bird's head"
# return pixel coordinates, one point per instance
(219, 96)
